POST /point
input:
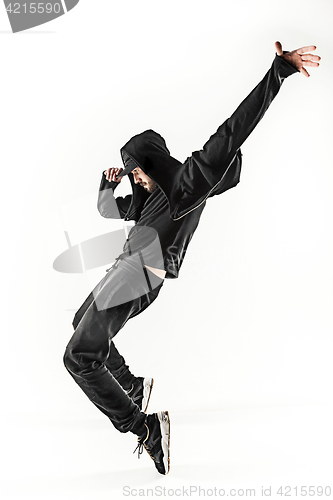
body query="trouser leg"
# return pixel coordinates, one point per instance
(85, 359)
(89, 349)
(115, 363)
(120, 370)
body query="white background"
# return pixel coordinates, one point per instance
(248, 324)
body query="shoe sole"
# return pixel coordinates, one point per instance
(147, 388)
(164, 419)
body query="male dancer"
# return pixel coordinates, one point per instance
(167, 201)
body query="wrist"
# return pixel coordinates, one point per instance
(285, 68)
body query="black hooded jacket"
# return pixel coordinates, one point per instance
(173, 211)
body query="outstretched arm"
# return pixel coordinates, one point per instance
(216, 158)
(217, 166)
(248, 114)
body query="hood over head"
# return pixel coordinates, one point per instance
(185, 184)
(148, 151)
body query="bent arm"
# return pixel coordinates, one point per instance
(109, 206)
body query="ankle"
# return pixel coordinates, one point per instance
(140, 427)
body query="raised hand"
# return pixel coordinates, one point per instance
(111, 174)
(299, 57)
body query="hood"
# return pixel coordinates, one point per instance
(186, 185)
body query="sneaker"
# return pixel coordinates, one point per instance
(140, 392)
(156, 440)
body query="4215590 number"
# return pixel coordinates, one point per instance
(34, 8)
(317, 491)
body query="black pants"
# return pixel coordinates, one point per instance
(92, 358)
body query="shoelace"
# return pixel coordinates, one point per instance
(139, 448)
(141, 444)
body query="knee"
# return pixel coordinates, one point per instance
(70, 360)
(78, 362)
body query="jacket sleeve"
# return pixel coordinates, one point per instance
(212, 162)
(109, 206)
